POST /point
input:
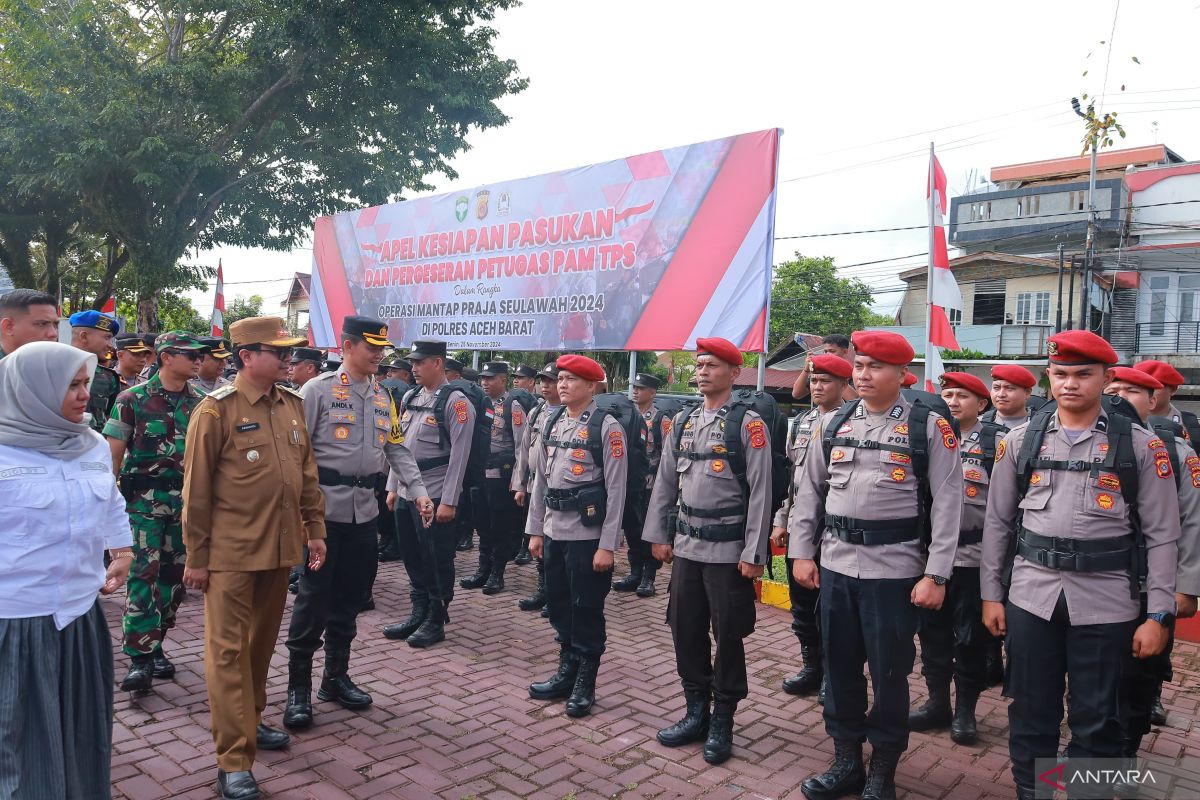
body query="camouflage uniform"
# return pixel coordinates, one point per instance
(153, 424)
(106, 385)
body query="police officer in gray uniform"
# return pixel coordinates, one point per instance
(522, 480)
(864, 505)
(441, 449)
(721, 543)
(642, 564)
(349, 419)
(575, 509)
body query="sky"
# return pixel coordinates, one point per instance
(859, 89)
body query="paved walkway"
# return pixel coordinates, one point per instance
(455, 721)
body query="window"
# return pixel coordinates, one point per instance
(1033, 308)
(988, 306)
(954, 315)
(1158, 305)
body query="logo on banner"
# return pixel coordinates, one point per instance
(481, 203)
(460, 207)
(503, 200)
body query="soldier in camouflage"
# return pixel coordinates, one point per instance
(93, 332)
(146, 433)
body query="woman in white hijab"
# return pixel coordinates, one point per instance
(60, 509)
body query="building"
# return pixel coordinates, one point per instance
(296, 304)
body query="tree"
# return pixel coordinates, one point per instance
(807, 296)
(204, 122)
(241, 308)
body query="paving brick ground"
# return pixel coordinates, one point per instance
(455, 721)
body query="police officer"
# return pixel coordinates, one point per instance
(399, 373)
(954, 642)
(395, 374)
(149, 338)
(642, 564)
(331, 363)
(497, 516)
(525, 377)
(1012, 386)
(304, 366)
(132, 355)
(1162, 405)
(210, 374)
(454, 369)
(146, 433)
(865, 505)
(522, 480)
(720, 546)
(575, 509)
(827, 381)
(93, 332)
(441, 448)
(349, 419)
(1072, 612)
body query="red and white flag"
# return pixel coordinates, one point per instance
(942, 291)
(218, 315)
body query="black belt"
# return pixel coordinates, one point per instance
(970, 537)
(501, 460)
(331, 477)
(1110, 554)
(139, 483)
(873, 531)
(426, 464)
(567, 499)
(712, 513)
(730, 532)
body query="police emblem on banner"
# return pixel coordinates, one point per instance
(481, 203)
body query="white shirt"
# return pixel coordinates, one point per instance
(58, 518)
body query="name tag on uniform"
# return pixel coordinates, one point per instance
(93, 466)
(249, 426)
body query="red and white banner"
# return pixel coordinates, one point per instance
(218, 315)
(644, 253)
(942, 291)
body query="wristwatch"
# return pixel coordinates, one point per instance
(1162, 618)
(938, 579)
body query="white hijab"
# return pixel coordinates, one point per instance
(33, 384)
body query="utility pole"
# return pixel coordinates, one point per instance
(1089, 250)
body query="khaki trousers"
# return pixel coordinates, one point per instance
(242, 612)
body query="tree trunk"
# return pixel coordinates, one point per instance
(147, 313)
(15, 257)
(56, 237)
(115, 261)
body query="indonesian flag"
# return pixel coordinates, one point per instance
(110, 306)
(943, 291)
(218, 315)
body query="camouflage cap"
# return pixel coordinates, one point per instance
(177, 340)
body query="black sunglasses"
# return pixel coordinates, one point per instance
(282, 353)
(190, 355)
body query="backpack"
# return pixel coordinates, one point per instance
(668, 407)
(1169, 431)
(625, 412)
(527, 402)
(1032, 405)
(1191, 424)
(481, 437)
(989, 434)
(933, 402)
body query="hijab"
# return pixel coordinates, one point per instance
(33, 384)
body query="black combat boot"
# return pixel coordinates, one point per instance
(538, 598)
(558, 685)
(1158, 714)
(481, 573)
(495, 580)
(962, 727)
(523, 557)
(389, 552)
(821, 694)
(718, 747)
(402, 630)
(646, 587)
(1024, 792)
(694, 725)
(298, 714)
(935, 712)
(631, 581)
(995, 663)
(844, 776)
(466, 541)
(163, 668)
(336, 684)
(1129, 750)
(140, 676)
(268, 738)
(237, 785)
(433, 629)
(583, 694)
(881, 777)
(810, 678)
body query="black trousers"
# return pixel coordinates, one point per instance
(410, 548)
(954, 641)
(872, 622)
(1043, 656)
(575, 595)
(329, 600)
(499, 534)
(1143, 679)
(387, 522)
(437, 547)
(711, 596)
(640, 554)
(804, 610)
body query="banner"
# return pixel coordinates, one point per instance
(645, 253)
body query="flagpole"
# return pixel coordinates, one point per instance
(929, 275)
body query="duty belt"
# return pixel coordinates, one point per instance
(134, 482)
(730, 532)
(712, 513)
(970, 537)
(331, 477)
(426, 464)
(1110, 554)
(567, 499)
(872, 532)
(502, 460)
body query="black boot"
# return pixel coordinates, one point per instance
(495, 580)
(1158, 714)
(237, 785)
(559, 685)
(630, 581)
(646, 587)
(433, 629)
(583, 695)
(466, 541)
(962, 727)
(481, 573)
(337, 686)
(694, 725)
(1129, 749)
(1024, 792)
(718, 747)
(935, 713)
(140, 676)
(844, 776)
(538, 598)
(810, 678)
(163, 668)
(995, 663)
(881, 777)
(268, 738)
(523, 557)
(298, 714)
(402, 630)
(389, 553)
(821, 694)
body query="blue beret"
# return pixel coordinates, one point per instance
(94, 319)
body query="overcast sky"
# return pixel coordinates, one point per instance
(860, 89)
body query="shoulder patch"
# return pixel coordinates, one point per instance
(518, 414)
(210, 411)
(949, 440)
(616, 444)
(1193, 464)
(1001, 449)
(758, 433)
(1155, 444)
(460, 411)
(1162, 463)
(223, 392)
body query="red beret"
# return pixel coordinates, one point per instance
(721, 348)
(1137, 377)
(910, 379)
(1073, 348)
(830, 365)
(582, 366)
(1014, 374)
(1166, 374)
(885, 346)
(965, 380)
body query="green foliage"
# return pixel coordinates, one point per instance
(808, 296)
(966, 354)
(241, 308)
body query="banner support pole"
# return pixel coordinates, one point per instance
(632, 371)
(475, 359)
(762, 371)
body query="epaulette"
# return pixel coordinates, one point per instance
(223, 392)
(290, 391)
